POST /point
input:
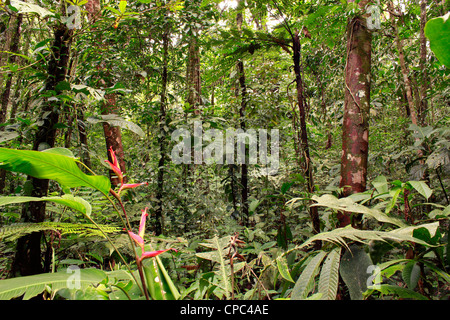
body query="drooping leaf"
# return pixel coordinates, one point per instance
(24, 7)
(347, 204)
(117, 121)
(30, 286)
(68, 200)
(353, 270)
(305, 282)
(284, 269)
(48, 165)
(422, 188)
(400, 292)
(329, 275)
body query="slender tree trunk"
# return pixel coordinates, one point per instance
(242, 110)
(113, 137)
(404, 70)
(85, 157)
(355, 136)
(308, 170)
(423, 105)
(244, 167)
(5, 98)
(159, 224)
(27, 260)
(193, 83)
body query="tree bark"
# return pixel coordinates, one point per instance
(159, 223)
(27, 260)
(308, 170)
(423, 103)
(5, 98)
(355, 136)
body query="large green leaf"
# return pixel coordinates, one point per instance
(68, 200)
(31, 286)
(437, 31)
(329, 275)
(341, 235)
(305, 282)
(347, 204)
(422, 188)
(49, 165)
(353, 270)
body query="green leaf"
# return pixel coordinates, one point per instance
(405, 293)
(437, 30)
(329, 275)
(411, 274)
(340, 235)
(353, 270)
(76, 203)
(47, 165)
(30, 286)
(347, 204)
(24, 7)
(122, 6)
(116, 121)
(422, 188)
(305, 283)
(284, 269)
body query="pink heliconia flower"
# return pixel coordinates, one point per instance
(115, 165)
(131, 185)
(139, 239)
(151, 254)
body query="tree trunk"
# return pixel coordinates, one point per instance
(244, 98)
(113, 138)
(404, 69)
(14, 48)
(308, 170)
(423, 103)
(159, 223)
(193, 82)
(355, 136)
(27, 260)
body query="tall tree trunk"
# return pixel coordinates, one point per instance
(404, 69)
(355, 136)
(244, 98)
(244, 167)
(423, 103)
(5, 98)
(113, 137)
(27, 260)
(308, 170)
(159, 223)
(85, 157)
(193, 81)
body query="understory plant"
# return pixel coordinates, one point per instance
(149, 280)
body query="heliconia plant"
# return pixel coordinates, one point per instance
(60, 165)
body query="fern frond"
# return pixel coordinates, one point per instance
(329, 275)
(16, 230)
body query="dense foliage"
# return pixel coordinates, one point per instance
(94, 94)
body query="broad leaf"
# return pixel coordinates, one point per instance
(284, 269)
(305, 282)
(347, 204)
(329, 275)
(353, 269)
(30, 286)
(422, 188)
(48, 165)
(437, 30)
(68, 200)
